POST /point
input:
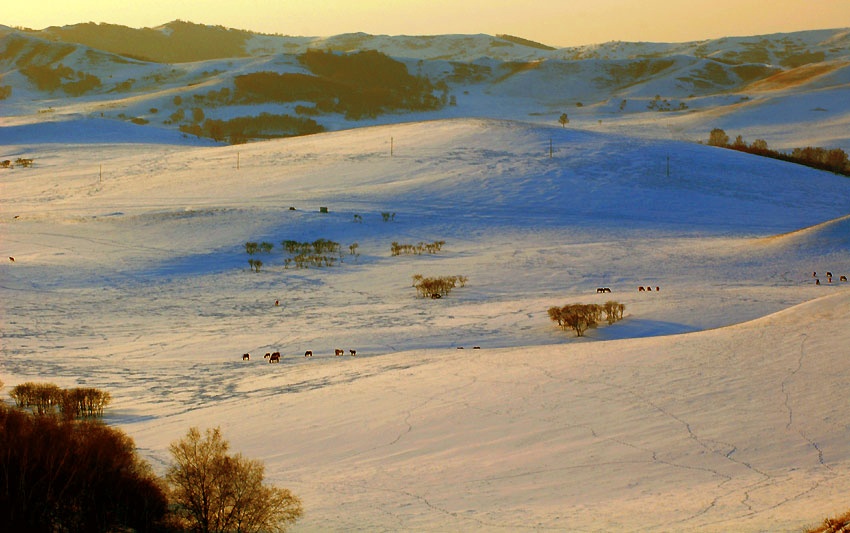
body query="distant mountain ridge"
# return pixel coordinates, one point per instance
(180, 41)
(181, 74)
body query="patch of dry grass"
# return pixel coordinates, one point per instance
(839, 524)
(796, 76)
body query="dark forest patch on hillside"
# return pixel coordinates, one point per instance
(177, 42)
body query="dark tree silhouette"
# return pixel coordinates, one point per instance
(62, 475)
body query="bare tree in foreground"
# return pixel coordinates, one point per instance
(217, 492)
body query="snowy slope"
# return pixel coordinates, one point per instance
(715, 405)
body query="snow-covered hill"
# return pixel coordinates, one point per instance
(715, 405)
(788, 89)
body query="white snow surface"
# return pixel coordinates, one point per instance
(718, 404)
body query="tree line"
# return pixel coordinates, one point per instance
(239, 130)
(58, 474)
(832, 160)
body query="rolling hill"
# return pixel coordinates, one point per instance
(716, 404)
(787, 89)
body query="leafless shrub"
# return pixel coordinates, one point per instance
(255, 264)
(833, 525)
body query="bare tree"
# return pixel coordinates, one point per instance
(718, 137)
(217, 492)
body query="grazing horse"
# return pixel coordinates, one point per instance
(641, 289)
(842, 278)
(12, 259)
(657, 289)
(599, 289)
(339, 352)
(267, 355)
(476, 347)
(308, 353)
(352, 352)
(246, 357)
(829, 274)
(274, 358)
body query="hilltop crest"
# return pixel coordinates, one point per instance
(180, 75)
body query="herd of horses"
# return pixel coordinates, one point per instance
(274, 357)
(828, 278)
(640, 289)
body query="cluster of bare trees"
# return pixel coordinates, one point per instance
(437, 287)
(308, 260)
(77, 476)
(417, 249)
(580, 317)
(47, 398)
(319, 246)
(74, 476)
(319, 253)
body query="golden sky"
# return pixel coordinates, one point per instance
(552, 22)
